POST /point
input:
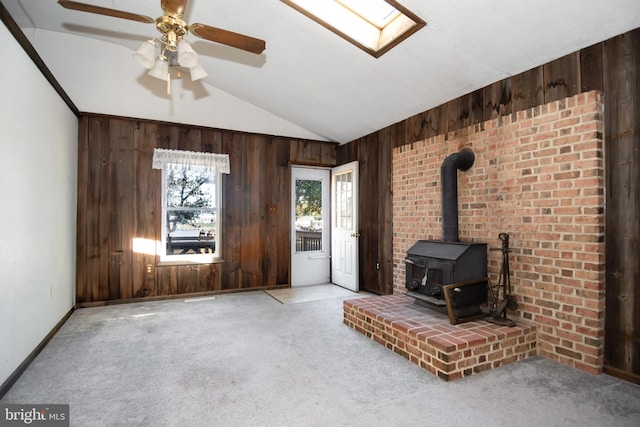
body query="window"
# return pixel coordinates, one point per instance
(191, 201)
(190, 211)
(374, 26)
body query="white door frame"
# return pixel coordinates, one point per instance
(312, 266)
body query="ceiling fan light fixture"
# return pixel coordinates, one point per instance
(198, 72)
(160, 69)
(145, 55)
(187, 57)
(174, 50)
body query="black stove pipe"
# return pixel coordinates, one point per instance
(462, 160)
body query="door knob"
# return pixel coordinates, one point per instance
(355, 234)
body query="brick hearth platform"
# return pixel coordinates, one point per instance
(426, 337)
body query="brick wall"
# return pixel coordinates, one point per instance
(539, 176)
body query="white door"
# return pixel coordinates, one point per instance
(344, 226)
(310, 228)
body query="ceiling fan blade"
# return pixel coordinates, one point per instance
(82, 7)
(174, 8)
(229, 38)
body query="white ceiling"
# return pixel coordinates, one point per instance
(309, 83)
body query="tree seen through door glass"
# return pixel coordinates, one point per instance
(308, 215)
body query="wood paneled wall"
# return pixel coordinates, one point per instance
(612, 67)
(622, 154)
(119, 201)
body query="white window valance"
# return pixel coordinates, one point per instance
(206, 161)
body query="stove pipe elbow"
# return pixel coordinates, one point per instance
(462, 160)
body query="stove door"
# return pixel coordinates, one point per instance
(427, 276)
(438, 274)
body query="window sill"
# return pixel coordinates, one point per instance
(192, 261)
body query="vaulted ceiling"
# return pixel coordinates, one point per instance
(309, 83)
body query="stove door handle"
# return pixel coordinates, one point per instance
(415, 262)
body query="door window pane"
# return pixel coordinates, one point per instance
(308, 215)
(344, 201)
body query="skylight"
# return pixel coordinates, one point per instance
(375, 26)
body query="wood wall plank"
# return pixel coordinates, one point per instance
(622, 152)
(82, 280)
(476, 107)
(416, 127)
(427, 124)
(146, 196)
(188, 278)
(189, 139)
(458, 113)
(527, 89)
(167, 277)
(312, 153)
(234, 210)
(103, 208)
(121, 221)
(209, 277)
(282, 200)
(251, 219)
(384, 227)
(464, 111)
(591, 68)
(562, 78)
(211, 141)
(437, 119)
(269, 186)
(497, 99)
(347, 153)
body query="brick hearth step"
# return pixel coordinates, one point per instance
(426, 337)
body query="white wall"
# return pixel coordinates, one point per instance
(38, 175)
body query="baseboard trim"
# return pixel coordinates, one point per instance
(623, 375)
(174, 296)
(9, 382)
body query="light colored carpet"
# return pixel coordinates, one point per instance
(312, 293)
(246, 360)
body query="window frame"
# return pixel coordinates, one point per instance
(205, 258)
(354, 27)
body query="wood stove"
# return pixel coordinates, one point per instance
(449, 276)
(438, 273)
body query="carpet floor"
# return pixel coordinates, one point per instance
(248, 360)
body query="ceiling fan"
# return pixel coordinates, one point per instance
(174, 50)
